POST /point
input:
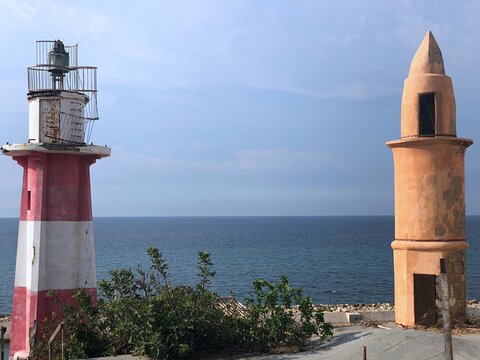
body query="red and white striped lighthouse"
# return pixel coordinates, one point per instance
(55, 240)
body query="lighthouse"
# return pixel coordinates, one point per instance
(55, 250)
(429, 193)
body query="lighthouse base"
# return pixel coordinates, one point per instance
(417, 264)
(31, 307)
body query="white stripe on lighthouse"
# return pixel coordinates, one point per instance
(55, 255)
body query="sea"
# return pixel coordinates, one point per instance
(335, 259)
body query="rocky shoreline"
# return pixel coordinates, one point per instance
(343, 307)
(474, 303)
(374, 306)
(356, 307)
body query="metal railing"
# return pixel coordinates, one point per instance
(59, 329)
(47, 79)
(74, 130)
(3, 330)
(43, 47)
(78, 78)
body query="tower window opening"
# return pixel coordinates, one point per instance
(29, 200)
(426, 114)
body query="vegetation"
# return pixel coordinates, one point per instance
(144, 313)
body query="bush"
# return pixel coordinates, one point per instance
(145, 314)
(281, 315)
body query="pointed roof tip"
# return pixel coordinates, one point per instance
(428, 58)
(432, 42)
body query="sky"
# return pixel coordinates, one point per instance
(242, 107)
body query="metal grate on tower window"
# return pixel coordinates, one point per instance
(426, 114)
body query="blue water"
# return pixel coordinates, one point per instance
(335, 259)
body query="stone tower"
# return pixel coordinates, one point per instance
(429, 192)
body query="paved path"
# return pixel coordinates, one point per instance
(393, 344)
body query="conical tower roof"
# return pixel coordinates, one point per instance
(428, 58)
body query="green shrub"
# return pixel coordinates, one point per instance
(282, 316)
(144, 313)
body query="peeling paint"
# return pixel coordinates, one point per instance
(454, 193)
(431, 180)
(33, 256)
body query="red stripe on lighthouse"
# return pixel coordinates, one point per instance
(38, 306)
(56, 187)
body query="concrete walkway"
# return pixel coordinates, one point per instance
(393, 344)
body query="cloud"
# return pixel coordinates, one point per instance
(351, 91)
(10, 174)
(12, 99)
(256, 102)
(245, 162)
(47, 15)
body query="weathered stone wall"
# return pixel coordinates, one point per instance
(455, 263)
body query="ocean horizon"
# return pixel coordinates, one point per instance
(335, 259)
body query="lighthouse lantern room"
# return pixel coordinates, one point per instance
(62, 96)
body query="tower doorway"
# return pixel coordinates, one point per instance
(424, 299)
